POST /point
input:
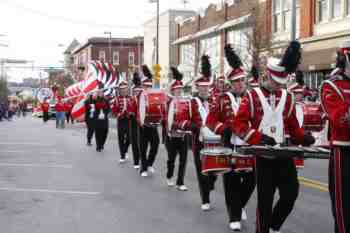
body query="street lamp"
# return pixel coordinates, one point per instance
(157, 37)
(109, 45)
(294, 19)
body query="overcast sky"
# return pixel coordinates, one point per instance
(34, 29)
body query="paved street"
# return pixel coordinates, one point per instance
(51, 182)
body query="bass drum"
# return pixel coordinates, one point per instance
(152, 107)
(179, 111)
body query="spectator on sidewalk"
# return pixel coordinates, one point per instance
(69, 108)
(45, 109)
(60, 113)
(89, 117)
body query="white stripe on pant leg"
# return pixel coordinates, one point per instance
(339, 196)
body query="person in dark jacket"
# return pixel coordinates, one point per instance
(89, 117)
(101, 120)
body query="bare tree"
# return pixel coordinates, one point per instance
(259, 37)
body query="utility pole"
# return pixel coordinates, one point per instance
(157, 48)
(157, 67)
(294, 20)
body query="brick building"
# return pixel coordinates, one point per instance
(321, 25)
(69, 58)
(124, 53)
(209, 31)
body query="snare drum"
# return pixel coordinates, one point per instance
(179, 111)
(243, 163)
(216, 160)
(312, 117)
(152, 107)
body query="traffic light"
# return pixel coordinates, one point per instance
(157, 69)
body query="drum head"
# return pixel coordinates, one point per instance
(216, 151)
(142, 108)
(209, 136)
(171, 113)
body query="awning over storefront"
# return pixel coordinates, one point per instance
(322, 59)
(206, 32)
(183, 39)
(234, 22)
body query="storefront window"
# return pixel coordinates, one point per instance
(187, 60)
(187, 54)
(240, 41)
(337, 9)
(211, 47)
(277, 15)
(322, 10)
(282, 15)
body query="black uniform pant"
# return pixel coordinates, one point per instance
(123, 136)
(339, 188)
(177, 146)
(275, 174)
(205, 183)
(135, 145)
(238, 187)
(90, 125)
(148, 137)
(45, 116)
(101, 132)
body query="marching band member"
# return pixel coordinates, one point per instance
(102, 109)
(335, 100)
(176, 142)
(200, 110)
(89, 117)
(238, 186)
(132, 109)
(148, 133)
(264, 115)
(121, 111)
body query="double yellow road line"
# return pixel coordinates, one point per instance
(313, 184)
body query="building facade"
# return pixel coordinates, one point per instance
(320, 26)
(167, 34)
(69, 58)
(126, 54)
(209, 31)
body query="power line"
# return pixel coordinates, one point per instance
(37, 67)
(70, 20)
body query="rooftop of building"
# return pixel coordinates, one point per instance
(106, 40)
